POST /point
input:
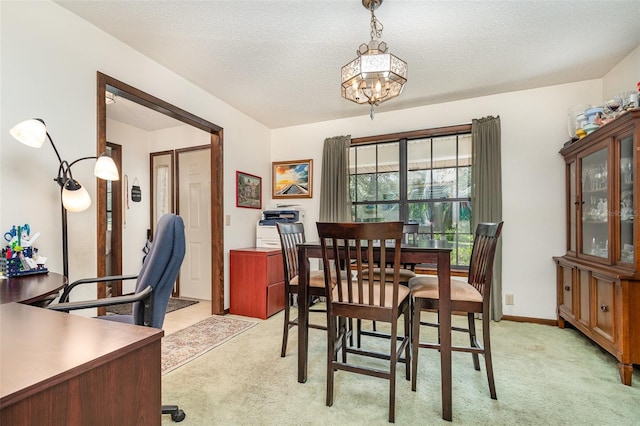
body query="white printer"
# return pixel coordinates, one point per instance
(266, 231)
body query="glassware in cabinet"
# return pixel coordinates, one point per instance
(627, 213)
(595, 211)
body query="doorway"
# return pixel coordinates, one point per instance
(133, 94)
(193, 203)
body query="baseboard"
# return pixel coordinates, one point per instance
(531, 320)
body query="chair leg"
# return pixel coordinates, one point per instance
(392, 371)
(331, 356)
(415, 340)
(342, 331)
(487, 355)
(285, 332)
(407, 335)
(473, 341)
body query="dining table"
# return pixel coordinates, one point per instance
(410, 253)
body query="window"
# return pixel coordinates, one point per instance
(419, 177)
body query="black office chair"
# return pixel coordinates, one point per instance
(153, 286)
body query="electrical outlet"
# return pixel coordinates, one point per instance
(508, 299)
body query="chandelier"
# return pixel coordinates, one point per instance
(374, 76)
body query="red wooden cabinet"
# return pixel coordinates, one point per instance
(256, 282)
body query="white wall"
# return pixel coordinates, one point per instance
(49, 62)
(48, 70)
(534, 127)
(623, 77)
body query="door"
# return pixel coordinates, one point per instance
(193, 168)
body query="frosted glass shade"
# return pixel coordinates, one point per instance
(31, 132)
(105, 168)
(74, 197)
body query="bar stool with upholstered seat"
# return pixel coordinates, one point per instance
(470, 295)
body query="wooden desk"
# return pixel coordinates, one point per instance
(410, 254)
(30, 288)
(62, 369)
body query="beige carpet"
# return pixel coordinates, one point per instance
(185, 345)
(544, 376)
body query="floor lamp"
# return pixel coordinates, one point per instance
(73, 196)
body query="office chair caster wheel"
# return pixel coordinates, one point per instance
(178, 416)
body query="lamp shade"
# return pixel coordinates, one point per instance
(105, 168)
(31, 132)
(74, 197)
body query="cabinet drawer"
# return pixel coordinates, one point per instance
(275, 298)
(604, 315)
(565, 290)
(584, 287)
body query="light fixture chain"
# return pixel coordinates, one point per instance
(376, 26)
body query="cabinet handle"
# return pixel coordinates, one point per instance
(567, 288)
(604, 308)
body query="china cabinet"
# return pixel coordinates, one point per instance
(598, 279)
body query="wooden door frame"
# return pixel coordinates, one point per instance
(116, 219)
(217, 201)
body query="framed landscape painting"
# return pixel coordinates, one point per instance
(248, 190)
(292, 179)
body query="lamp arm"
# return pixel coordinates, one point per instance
(83, 158)
(54, 146)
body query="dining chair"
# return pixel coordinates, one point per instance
(361, 297)
(292, 234)
(470, 295)
(407, 271)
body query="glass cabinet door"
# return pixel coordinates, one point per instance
(627, 212)
(595, 211)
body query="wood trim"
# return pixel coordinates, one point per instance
(217, 170)
(116, 220)
(414, 134)
(531, 320)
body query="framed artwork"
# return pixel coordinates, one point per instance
(292, 179)
(248, 190)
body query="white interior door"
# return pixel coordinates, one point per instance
(194, 205)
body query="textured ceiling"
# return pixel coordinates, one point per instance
(279, 61)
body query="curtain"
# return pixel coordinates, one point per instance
(335, 200)
(486, 195)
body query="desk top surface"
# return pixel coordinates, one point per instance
(40, 348)
(30, 288)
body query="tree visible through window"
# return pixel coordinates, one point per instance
(418, 179)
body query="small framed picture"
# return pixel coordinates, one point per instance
(292, 179)
(248, 190)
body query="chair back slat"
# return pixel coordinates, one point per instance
(291, 234)
(347, 245)
(482, 255)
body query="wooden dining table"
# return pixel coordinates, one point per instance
(440, 257)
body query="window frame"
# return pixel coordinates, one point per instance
(404, 201)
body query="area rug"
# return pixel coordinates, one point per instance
(174, 305)
(185, 345)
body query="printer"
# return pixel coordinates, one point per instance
(266, 230)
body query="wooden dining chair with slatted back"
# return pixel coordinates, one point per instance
(292, 234)
(407, 271)
(362, 297)
(470, 295)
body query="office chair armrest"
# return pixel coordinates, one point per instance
(65, 294)
(108, 301)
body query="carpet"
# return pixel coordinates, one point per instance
(185, 345)
(174, 305)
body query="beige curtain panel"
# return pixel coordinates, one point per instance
(486, 196)
(335, 200)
